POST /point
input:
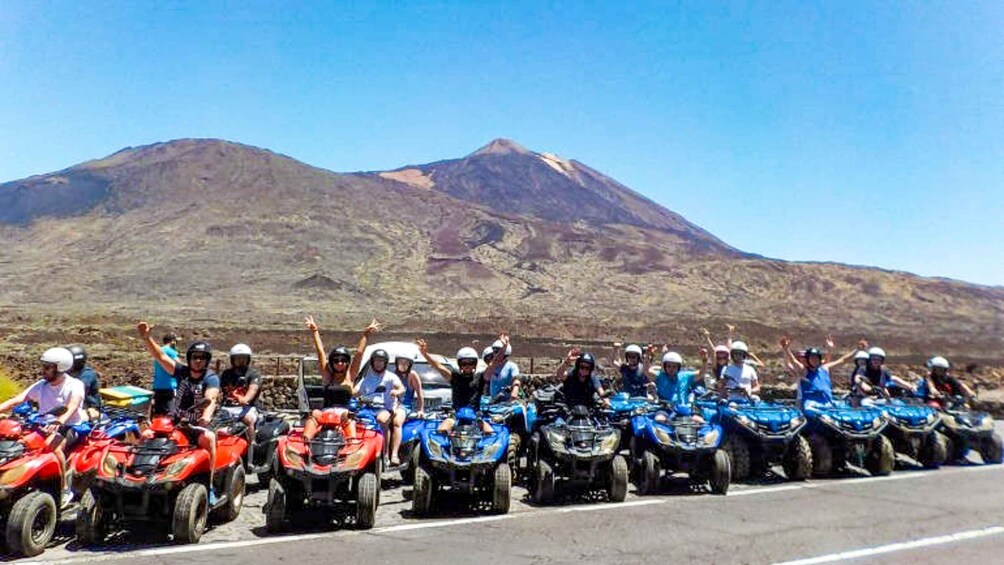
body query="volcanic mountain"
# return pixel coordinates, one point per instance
(504, 237)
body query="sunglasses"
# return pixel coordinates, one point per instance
(47, 366)
(467, 363)
(200, 357)
(340, 361)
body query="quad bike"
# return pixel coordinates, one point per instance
(574, 449)
(335, 474)
(759, 434)
(267, 429)
(965, 429)
(165, 479)
(112, 424)
(466, 460)
(30, 481)
(841, 434)
(519, 418)
(682, 443)
(622, 409)
(911, 430)
(411, 439)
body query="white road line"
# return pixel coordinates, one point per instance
(894, 547)
(609, 506)
(443, 523)
(764, 490)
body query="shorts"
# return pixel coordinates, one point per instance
(163, 402)
(239, 412)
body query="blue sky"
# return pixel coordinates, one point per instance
(866, 133)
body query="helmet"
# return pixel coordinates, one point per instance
(939, 362)
(340, 351)
(721, 349)
(740, 346)
(467, 354)
(672, 357)
(199, 347)
(813, 351)
(636, 349)
(59, 356)
(487, 352)
(585, 359)
(240, 349)
(877, 352)
(498, 345)
(408, 358)
(380, 354)
(861, 355)
(79, 356)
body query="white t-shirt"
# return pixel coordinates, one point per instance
(373, 380)
(49, 397)
(740, 376)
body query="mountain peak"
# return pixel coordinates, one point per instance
(502, 146)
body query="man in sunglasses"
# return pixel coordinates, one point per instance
(196, 381)
(466, 384)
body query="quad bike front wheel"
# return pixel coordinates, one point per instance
(421, 494)
(502, 489)
(991, 450)
(233, 486)
(798, 460)
(366, 501)
(543, 491)
(720, 472)
(191, 510)
(31, 524)
(822, 456)
(276, 509)
(617, 489)
(934, 452)
(91, 525)
(649, 472)
(882, 458)
(739, 454)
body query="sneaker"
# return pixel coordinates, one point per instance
(66, 499)
(395, 461)
(212, 497)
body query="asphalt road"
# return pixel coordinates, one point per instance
(950, 515)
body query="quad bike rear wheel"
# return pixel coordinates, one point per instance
(31, 524)
(190, 514)
(512, 456)
(934, 452)
(366, 501)
(720, 472)
(617, 489)
(91, 525)
(881, 458)
(822, 456)
(502, 489)
(543, 492)
(739, 455)
(276, 509)
(991, 450)
(408, 471)
(421, 494)
(233, 486)
(798, 460)
(649, 472)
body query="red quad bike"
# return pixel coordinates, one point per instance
(29, 482)
(335, 473)
(165, 478)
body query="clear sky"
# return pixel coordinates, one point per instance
(866, 133)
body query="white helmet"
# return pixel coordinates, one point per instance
(939, 362)
(240, 349)
(467, 353)
(487, 352)
(672, 357)
(498, 345)
(740, 346)
(877, 352)
(59, 356)
(636, 349)
(861, 355)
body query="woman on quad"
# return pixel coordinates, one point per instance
(336, 383)
(675, 386)
(876, 380)
(196, 381)
(940, 384)
(378, 382)
(55, 390)
(739, 377)
(815, 387)
(634, 371)
(466, 384)
(240, 384)
(580, 384)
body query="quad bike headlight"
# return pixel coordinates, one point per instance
(710, 439)
(987, 421)
(877, 422)
(435, 450)
(795, 422)
(109, 465)
(742, 419)
(490, 452)
(14, 475)
(353, 460)
(293, 459)
(663, 436)
(176, 468)
(557, 441)
(930, 418)
(609, 443)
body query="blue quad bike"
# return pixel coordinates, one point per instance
(622, 409)
(965, 430)
(411, 438)
(574, 449)
(911, 430)
(681, 443)
(520, 418)
(466, 460)
(840, 434)
(759, 434)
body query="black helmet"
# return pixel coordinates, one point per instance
(585, 359)
(340, 351)
(380, 354)
(200, 346)
(813, 351)
(79, 357)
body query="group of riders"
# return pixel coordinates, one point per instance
(727, 369)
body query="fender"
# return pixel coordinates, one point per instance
(42, 467)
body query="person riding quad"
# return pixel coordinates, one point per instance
(940, 384)
(876, 380)
(240, 384)
(379, 382)
(580, 384)
(86, 374)
(738, 376)
(466, 384)
(505, 374)
(634, 373)
(336, 383)
(196, 382)
(675, 386)
(56, 389)
(414, 397)
(815, 387)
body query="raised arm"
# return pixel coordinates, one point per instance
(357, 359)
(707, 337)
(790, 360)
(315, 335)
(840, 360)
(756, 360)
(423, 348)
(566, 363)
(155, 350)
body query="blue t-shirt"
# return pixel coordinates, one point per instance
(815, 386)
(676, 390)
(502, 378)
(634, 382)
(162, 380)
